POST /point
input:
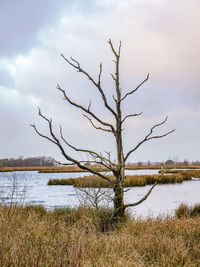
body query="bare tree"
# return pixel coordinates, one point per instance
(118, 167)
(90, 196)
(13, 192)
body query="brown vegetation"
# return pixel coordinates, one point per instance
(35, 237)
(186, 211)
(129, 181)
(52, 169)
(186, 174)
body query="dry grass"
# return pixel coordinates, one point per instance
(129, 181)
(186, 174)
(52, 169)
(43, 169)
(35, 237)
(186, 211)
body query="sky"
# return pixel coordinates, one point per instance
(159, 37)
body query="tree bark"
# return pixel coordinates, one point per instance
(119, 208)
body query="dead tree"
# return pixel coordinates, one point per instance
(118, 167)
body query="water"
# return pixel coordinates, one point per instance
(163, 200)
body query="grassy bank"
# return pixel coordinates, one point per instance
(130, 180)
(35, 237)
(186, 174)
(57, 169)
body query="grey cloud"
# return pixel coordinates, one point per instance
(22, 20)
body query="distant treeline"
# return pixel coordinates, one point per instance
(49, 161)
(168, 162)
(27, 162)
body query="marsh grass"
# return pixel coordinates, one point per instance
(186, 174)
(69, 181)
(57, 169)
(69, 237)
(129, 181)
(187, 211)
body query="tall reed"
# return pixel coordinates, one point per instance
(69, 237)
(130, 180)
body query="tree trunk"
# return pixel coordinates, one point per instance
(119, 209)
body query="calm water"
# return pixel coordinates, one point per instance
(163, 200)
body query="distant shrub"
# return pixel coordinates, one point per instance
(69, 181)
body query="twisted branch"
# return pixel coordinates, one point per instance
(56, 141)
(96, 127)
(96, 84)
(147, 194)
(92, 153)
(131, 115)
(87, 110)
(134, 90)
(149, 137)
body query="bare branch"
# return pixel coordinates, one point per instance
(127, 189)
(96, 84)
(65, 164)
(92, 153)
(98, 128)
(156, 125)
(114, 99)
(113, 50)
(108, 153)
(148, 193)
(77, 63)
(104, 164)
(113, 77)
(133, 91)
(142, 199)
(78, 67)
(132, 115)
(56, 141)
(100, 72)
(72, 164)
(94, 196)
(119, 49)
(87, 110)
(116, 77)
(42, 135)
(89, 106)
(149, 137)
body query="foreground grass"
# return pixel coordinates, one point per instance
(34, 237)
(129, 181)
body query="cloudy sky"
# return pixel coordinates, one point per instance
(160, 37)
